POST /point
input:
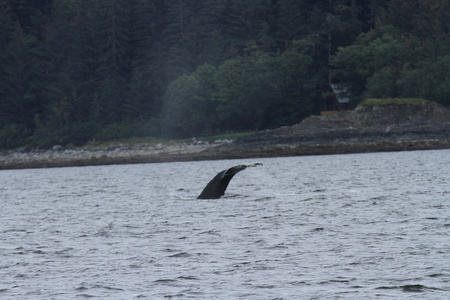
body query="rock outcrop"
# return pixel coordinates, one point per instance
(421, 120)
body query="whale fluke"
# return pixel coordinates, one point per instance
(217, 186)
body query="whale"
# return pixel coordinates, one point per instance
(217, 186)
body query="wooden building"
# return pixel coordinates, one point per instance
(335, 101)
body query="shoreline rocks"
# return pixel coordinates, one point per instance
(114, 154)
(72, 158)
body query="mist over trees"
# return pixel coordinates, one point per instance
(72, 71)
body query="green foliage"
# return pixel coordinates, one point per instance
(263, 90)
(373, 56)
(127, 129)
(407, 57)
(74, 70)
(382, 83)
(392, 101)
(255, 91)
(115, 131)
(47, 137)
(188, 107)
(77, 133)
(429, 80)
(13, 136)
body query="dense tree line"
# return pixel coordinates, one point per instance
(76, 70)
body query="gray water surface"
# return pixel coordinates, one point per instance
(319, 227)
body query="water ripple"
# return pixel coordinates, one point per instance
(318, 227)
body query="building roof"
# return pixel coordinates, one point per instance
(341, 93)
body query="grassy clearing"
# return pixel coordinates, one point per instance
(97, 145)
(229, 136)
(392, 101)
(101, 145)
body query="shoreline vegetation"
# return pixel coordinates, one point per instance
(78, 72)
(376, 125)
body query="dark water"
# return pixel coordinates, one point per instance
(319, 227)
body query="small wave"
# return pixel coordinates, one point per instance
(165, 280)
(411, 288)
(264, 198)
(381, 197)
(86, 296)
(239, 265)
(181, 254)
(232, 196)
(340, 280)
(318, 229)
(211, 232)
(174, 296)
(278, 246)
(103, 233)
(99, 286)
(265, 286)
(22, 251)
(188, 278)
(14, 230)
(64, 250)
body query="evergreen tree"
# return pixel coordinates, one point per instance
(20, 83)
(147, 78)
(114, 55)
(71, 70)
(7, 26)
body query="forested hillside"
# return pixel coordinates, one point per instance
(72, 71)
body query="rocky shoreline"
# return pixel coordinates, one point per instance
(423, 126)
(115, 154)
(71, 158)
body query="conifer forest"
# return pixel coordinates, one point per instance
(74, 71)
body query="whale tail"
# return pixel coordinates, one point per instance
(217, 186)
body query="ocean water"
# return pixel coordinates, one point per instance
(354, 226)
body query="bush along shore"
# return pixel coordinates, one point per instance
(375, 125)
